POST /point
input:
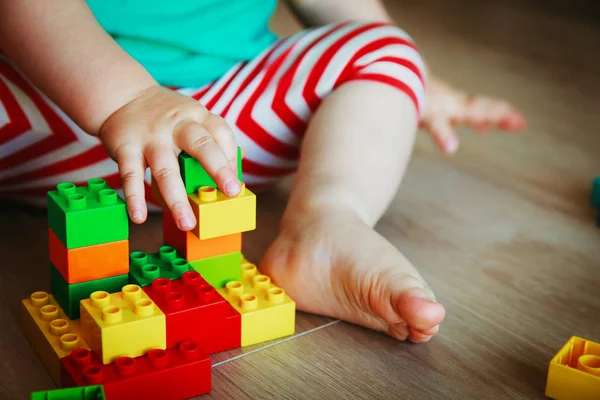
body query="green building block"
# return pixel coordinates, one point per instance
(87, 215)
(219, 270)
(595, 195)
(69, 296)
(79, 393)
(166, 263)
(195, 176)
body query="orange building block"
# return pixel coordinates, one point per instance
(191, 248)
(91, 262)
(574, 372)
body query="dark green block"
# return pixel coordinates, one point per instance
(79, 393)
(195, 176)
(88, 215)
(219, 270)
(69, 296)
(166, 263)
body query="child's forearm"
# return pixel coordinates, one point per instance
(62, 49)
(317, 12)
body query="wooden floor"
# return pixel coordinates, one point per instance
(503, 231)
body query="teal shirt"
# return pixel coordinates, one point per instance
(187, 42)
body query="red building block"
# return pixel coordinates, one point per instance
(191, 248)
(173, 374)
(196, 311)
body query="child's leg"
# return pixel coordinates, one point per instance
(327, 256)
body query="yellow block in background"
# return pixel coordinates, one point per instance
(219, 215)
(574, 372)
(267, 312)
(50, 332)
(123, 324)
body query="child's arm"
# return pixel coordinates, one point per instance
(62, 49)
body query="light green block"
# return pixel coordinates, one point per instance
(219, 270)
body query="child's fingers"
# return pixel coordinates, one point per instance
(131, 168)
(223, 136)
(200, 144)
(165, 171)
(443, 135)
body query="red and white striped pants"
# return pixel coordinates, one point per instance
(267, 101)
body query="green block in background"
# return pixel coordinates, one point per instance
(69, 296)
(195, 176)
(87, 215)
(219, 270)
(95, 392)
(166, 263)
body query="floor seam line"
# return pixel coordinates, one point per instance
(276, 343)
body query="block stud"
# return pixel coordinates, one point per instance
(65, 189)
(39, 299)
(132, 293)
(161, 285)
(249, 271)
(167, 253)
(248, 302)
(144, 308)
(175, 301)
(242, 190)
(92, 374)
(100, 299)
(261, 282)
(189, 350)
(275, 296)
(81, 357)
(126, 366)
(95, 185)
(138, 258)
(207, 194)
(69, 341)
(206, 293)
(59, 327)
(76, 202)
(112, 314)
(179, 266)
(190, 279)
(107, 197)
(158, 358)
(49, 312)
(150, 271)
(234, 288)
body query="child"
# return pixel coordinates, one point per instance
(146, 80)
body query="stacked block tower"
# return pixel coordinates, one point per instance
(120, 325)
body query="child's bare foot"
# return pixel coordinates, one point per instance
(333, 264)
(447, 106)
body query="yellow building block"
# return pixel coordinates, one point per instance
(574, 372)
(219, 215)
(123, 324)
(50, 332)
(267, 312)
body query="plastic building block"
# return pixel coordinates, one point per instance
(595, 196)
(166, 263)
(574, 372)
(123, 324)
(95, 392)
(49, 331)
(85, 216)
(192, 248)
(267, 312)
(220, 269)
(219, 215)
(196, 312)
(91, 262)
(173, 374)
(194, 175)
(69, 295)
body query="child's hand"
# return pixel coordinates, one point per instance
(150, 131)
